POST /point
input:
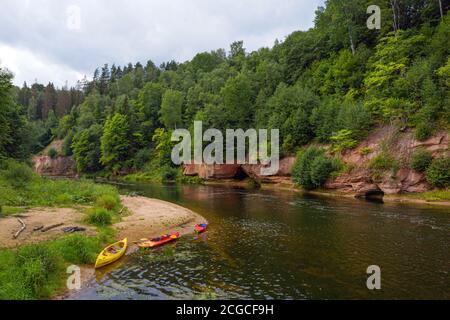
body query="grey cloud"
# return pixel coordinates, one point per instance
(128, 31)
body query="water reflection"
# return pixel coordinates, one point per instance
(265, 244)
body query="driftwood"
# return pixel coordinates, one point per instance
(38, 228)
(73, 229)
(17, 234)
(52, 227)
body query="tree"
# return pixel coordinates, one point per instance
(172, 109)
(114, 142)
(86, 149)
(104, 79)
(238, 98)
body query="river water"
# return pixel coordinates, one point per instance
(282, 245)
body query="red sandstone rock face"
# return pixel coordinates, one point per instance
(230, 171)
(359, 180)
(59, 166)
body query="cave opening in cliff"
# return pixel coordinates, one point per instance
(241, 174)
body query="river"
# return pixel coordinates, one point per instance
(282, 245)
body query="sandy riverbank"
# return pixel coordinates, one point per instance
(147, 217)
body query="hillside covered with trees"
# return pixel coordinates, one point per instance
(331, 84)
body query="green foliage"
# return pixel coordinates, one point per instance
(35, 191)
(313, 168)
(289, 110)
(336, 80)
(78, 249)
(109, 202)
(421, 160)
(438, 173)
(52, 153)
(114, 141)
(99, 217)
(171, 109)
(38, 271)
(86, 149)
(16, 174)
(343, 140)
(382, 163)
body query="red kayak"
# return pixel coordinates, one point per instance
(156, 242)
(200, 228)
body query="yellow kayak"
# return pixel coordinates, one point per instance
(112, 253)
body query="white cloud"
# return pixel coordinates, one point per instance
(23, 63)
(123, 31)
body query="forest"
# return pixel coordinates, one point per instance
(331, 84)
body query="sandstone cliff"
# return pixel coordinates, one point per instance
(359, 179)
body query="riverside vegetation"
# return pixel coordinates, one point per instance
(38, 270)
(332, 84)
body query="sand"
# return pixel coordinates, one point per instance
(144, 218)
(36, 218)
(151, 217)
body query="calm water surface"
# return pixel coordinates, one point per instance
(281, 245)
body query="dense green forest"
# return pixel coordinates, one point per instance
(331, 84)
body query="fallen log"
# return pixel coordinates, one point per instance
(38, 228)
(17, 234)
(52, 227)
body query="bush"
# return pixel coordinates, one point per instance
(321, 169)
(312, 168)
(421, 160)
(17, 174)
(383, 162)
(343, 140)
(168, 174)
(99, 217)
(141, 158)
(108, 202)
(52, 153)
(438, 173)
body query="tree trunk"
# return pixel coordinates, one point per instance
(394, 14)
(441, 10)
(352, 45)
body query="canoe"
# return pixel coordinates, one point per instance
(111, 253)
(200, 228)
(156, 242)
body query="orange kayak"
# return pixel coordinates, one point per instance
(200, 228)
(156, 242)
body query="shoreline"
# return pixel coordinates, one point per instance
(392, 198)
(148, 218)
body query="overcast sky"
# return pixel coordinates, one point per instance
(60, 40)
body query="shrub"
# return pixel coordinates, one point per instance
(312, 168)
(343, 140)
(321, 169)
(52, 153)
(438, 173)
(108, 202)
(17, 174)
(382, 162)
(141, 158)
(168, 174)
(99, 217)
(421, 160)
(365, 151)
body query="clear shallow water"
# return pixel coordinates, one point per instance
(281, 245)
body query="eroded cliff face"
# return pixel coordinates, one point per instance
(359, 180)
(401, 146)
(55, 167)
